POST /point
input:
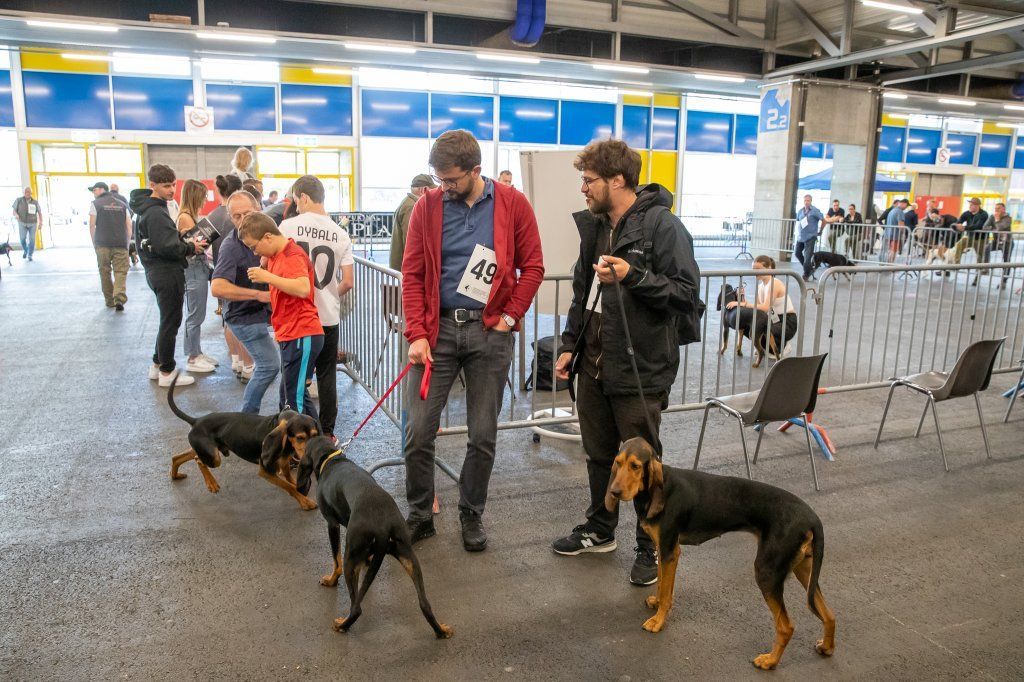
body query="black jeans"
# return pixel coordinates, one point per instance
(804, 253)
(327, 379)
(168, 283)
(485, 356)
(605, 422)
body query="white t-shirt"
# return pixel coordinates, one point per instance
(330, 248)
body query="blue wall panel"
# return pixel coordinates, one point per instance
(468, 112)
(242, 107)
(746, 134)
(1018, 155)
(636, 126)
(388, 113)
(6, 100)
(922, 145)
(995, 151)
(67, 100)
(151, 103)
(891, 143)
(665, 129)
(316, 110)
(812, 150)
(708, 131)
(583, 122)
(961, 148)
(524, 119)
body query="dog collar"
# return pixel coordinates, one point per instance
(326, 460)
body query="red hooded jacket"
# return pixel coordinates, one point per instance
(516, 247)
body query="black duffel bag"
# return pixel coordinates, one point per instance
(544, 351)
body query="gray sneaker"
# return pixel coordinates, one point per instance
(583, 540)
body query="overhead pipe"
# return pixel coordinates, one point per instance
(531, 15)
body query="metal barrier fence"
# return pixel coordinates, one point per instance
(873, 321)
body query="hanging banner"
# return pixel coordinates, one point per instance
(775, 109)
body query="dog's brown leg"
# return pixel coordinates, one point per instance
(739, 344)
(802, 570)
(177, 461)
(783, 633)
(412, 567)
(211, 482)
(304, 502)
(334, 535)
(666, 587)
(352, 571)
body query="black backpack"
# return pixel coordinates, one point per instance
(544, 350)
(687, 323)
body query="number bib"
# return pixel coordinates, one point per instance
(476, 280)
(31, 209)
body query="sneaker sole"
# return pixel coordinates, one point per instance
(596, 549)
(424, 536)
(640, 584)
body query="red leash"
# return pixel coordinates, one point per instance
(424, 389)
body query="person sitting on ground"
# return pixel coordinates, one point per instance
(938, 235)
(771, 310)
(294, 316)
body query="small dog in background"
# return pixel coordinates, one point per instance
(832, 260)
(5, 250)
(729, 319)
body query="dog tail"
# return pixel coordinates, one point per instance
(174, 408)
(817, 553)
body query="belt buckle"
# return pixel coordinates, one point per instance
(461, 316)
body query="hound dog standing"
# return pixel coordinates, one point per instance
(686, 507)
(268, 442)
(349, 497)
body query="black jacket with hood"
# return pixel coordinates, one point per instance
(652, 298)
(164, 247)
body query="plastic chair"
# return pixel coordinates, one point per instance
(971, 375)
(790, 390)
(1017, 388)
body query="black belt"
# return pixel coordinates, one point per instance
(462, 315)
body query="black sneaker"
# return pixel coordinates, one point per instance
(645, 567)
(474, 537)
(583, 540)
(119, 307)
(420, 529)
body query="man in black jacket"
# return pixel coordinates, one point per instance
(632, 230)
(162, 251)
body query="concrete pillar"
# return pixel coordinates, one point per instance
(845, 115)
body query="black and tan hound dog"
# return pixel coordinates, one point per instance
(268, 442)
(685, 507)
(349, 497)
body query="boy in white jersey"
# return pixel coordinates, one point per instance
(330, 249)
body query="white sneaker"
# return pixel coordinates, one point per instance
(154, 372)
(208, 359)
(183, 380)
(199, 366)
(246, 374)
(236, 365)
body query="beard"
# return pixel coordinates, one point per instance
(454, 194)
(599, 205)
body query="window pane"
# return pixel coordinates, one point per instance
(636, 122)
(388, 167)
(279, 162)
(529, 120)
(388, 113)
(64, 159)
(961, 148)
(325, 163)
(118, 160)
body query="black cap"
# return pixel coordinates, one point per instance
(100, 185)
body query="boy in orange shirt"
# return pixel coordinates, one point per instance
(293, 313)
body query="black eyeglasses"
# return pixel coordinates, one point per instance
(446, 182)
(587, 182)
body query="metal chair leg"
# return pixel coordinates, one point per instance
(743, 440)
(984, 431)
(938, 432)
(921, 422)
(888, 401)
(1013, 398)
(760, 435)
(810, 452)
(700, 441)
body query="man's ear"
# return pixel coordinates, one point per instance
(655, 487)
(611, 503)
(273, 446)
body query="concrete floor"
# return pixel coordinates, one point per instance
(111, 571)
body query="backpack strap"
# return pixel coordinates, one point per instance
(650, 225)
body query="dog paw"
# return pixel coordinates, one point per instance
(178, 476)
(329, 580)
(765, 662)
(652, 601)
(739, 352)
(307, 504)
(446, 632)
(339, 625)
(213, 486)
(654, 624)
(824, 650)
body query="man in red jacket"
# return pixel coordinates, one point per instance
(471, 268)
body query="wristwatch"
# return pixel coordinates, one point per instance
(509, 320)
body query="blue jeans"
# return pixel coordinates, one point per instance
(804, 253)
(197, 291)
(28, 238)
(264, 353)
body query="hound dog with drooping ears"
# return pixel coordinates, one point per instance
(268, 442)
(684, 507)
